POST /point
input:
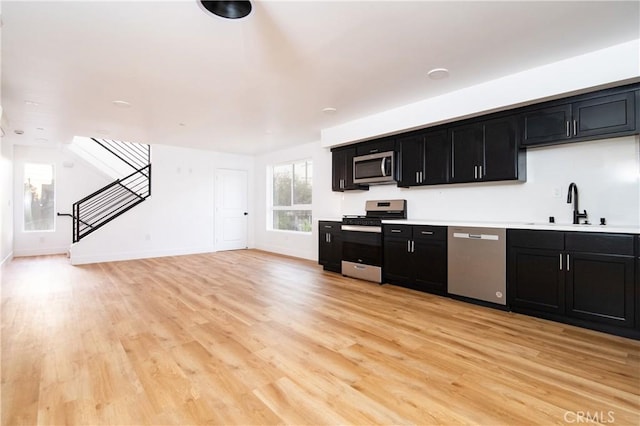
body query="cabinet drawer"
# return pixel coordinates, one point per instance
(599, 243)
(329, 226)
(551, 240)
(423, 232)
(401, 231)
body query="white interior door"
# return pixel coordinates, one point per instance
(231, 209)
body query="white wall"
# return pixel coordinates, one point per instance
(6, 201)
(71, 184)
(325, 203)
(179, 217)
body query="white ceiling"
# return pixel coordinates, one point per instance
(260, 83)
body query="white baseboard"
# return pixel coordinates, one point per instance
(287, 251)
(41, 252)
(79, 259)
(7, 258)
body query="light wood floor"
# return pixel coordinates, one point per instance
(248, 337)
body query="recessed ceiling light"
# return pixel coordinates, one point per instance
(121, 104)
(31, 103)
(329, 110)
(18, 132)
(438, 73)
(228, 9)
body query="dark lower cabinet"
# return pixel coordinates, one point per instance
(582, 278)
(330, 245)
(415, 256)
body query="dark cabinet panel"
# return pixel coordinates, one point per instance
(547, 125)
(330, 245)
(536, 280)
(608, 113)
(342, 170)
(604, 115)
(500, 156)
(411, 159)
(466, 150)
(436, 158)
(416, 257)
(600, 288)
(583, 278)
(486, 151)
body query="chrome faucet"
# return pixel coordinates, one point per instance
(573, 192)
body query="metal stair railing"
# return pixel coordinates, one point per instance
(109, 202)
(97, 209)
(136, 155)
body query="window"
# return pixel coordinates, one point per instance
(39, 197)
(291, 196)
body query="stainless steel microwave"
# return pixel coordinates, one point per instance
(374, 168)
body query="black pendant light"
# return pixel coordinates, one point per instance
(228, 9)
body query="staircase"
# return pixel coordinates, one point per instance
(97, 209)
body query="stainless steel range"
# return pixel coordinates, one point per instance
(362, 238)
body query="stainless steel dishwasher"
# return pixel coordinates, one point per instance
(477, 263)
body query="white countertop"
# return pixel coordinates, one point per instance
(523, 225)
(515, 225)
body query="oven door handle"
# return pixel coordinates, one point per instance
(361, 228)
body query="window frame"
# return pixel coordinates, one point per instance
(53, 213)
(293, 207)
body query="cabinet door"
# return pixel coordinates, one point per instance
(500, 150)
(436, 158)
(547, 125)
(411, 160)
(397, 261)
(430, 264)
(378, 145)
(338, 169)
(536, 279)
(330, 245)
(466, 143)
(604, 115)
(600, 288)
(342, 170)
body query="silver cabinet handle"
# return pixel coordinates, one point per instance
(413, 246)
(408, 246)
(426, 233)
(329, 235)
(417, 177)
(561, 261)
(575, 127)
(568, 266)
(421, 177)
(475, 172)
(479, 172)
(396, 230)
(568, 131)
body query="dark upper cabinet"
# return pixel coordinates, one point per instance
(378, 145)
(486, 151)
(584, 278)
(605, 115)
(423, 159)
(547, 125)
(416, 257)
(608, 113)
(330, 245)
(342, 170)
